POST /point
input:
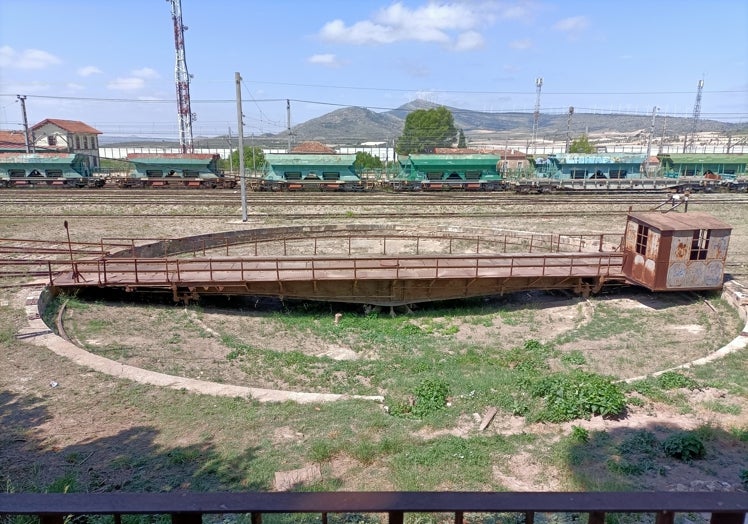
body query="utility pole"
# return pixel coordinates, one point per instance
(182, 78)
(649, 141)
(568, 128)
(240, 118)
(29, 144)
(288, 123)
(536, 114)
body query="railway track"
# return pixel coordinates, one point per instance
(217, 198)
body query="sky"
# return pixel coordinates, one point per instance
(111, 64)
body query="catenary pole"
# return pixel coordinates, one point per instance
(240, 119)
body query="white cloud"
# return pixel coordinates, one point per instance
(126, 84)
(454, 24)
(469, 40)
(572, 25)
(26, 59)
(328, 60)
(88, 71)
(525, 43)
(145, 72)
(72, 86)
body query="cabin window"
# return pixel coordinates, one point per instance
(330, 175)
(292, 175)
(642, 236)
(700, 244)
(51, 140)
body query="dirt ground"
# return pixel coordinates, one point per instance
(188, 342)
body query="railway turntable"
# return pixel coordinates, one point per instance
(393, 266)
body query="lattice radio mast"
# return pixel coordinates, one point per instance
(182, 77)
(696, 115)
(536, 114)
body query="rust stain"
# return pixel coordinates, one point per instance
(681, 250)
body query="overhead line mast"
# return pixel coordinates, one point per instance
(696, 115)
(182, 78)
(536, 113)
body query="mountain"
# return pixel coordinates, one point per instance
(350, 124)
(356, 124)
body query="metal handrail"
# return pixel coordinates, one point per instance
(188, 507)
(240, 269)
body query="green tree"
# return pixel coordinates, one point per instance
(581, 145)
(426, 129)
(254, 159)
(461, 142)
(366, 160)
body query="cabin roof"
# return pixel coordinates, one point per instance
(674, 221)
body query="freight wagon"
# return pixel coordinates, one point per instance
(174, 170)
(310, 172)
(443, 172)
(47, 170)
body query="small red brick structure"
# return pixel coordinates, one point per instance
(675, 251)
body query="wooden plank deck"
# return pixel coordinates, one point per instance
(372, 279)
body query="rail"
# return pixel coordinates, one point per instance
(189, 508)
(162, 271)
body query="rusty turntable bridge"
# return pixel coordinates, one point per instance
(379, 265)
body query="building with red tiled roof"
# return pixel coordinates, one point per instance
(512, 160)
(69, 136)
(12, 141)
(312, 147)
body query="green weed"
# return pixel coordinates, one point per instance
(685, 446)
(569, 396)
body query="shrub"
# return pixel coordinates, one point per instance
(579, 434)
(429, 396)
(684, 446)
(578, 394)
(673, 380)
